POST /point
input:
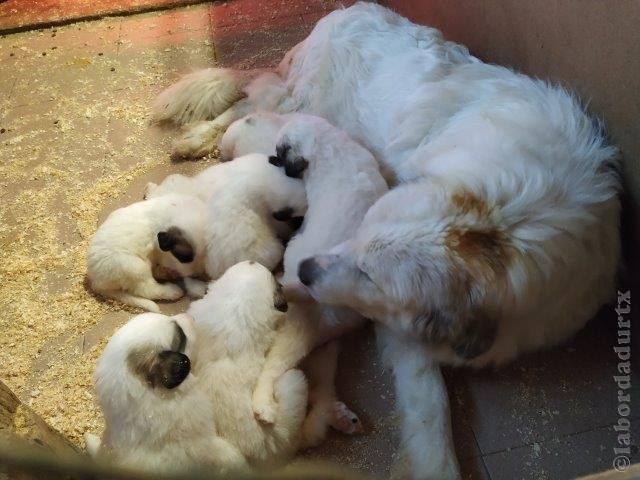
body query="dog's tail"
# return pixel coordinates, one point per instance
(128, 299)
(426, 450)
(201, 95)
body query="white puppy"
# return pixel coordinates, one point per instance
(342, 181)
(246, 199)
(237, 321)
(255, 133)
(158, 415)
(164, 236)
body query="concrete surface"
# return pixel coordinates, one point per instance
(75, 144)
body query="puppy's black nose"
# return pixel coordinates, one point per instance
(308, 271)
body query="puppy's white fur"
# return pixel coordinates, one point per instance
(241, 197)
(511, 213)
(255, 133)
(342, 181)
(237, 320)
(149, 426)
(125, 252)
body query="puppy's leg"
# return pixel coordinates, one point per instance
(160, 291)
(200, 138)
(225, 456)
(325, 409)
(301, 333)
(294, 340)
(195, 288)
(134, 301)
(291, 395)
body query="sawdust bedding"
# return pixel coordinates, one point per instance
(80, 145)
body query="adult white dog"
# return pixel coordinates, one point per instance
(502, 233)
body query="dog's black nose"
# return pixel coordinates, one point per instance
(308, 271)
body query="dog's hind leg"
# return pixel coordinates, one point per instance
(325, 409)
(426, 449)
(200, 138)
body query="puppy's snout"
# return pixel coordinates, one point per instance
(308, 271)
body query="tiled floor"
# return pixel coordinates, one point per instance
(75, 143)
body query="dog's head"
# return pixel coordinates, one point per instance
(146, 361)
(434, 276)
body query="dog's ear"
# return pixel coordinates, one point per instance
(468, 333)
(174, 240)
(169, 369)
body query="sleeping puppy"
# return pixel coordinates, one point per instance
(164, 236)
(158, 416)
(237, 321)
(342, 181)
(256, 132)
(245, 199)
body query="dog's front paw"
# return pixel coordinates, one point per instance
(344, 420)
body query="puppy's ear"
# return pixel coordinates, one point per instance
(174, 240)
(169, 369)
(276, 161)
(295, 168)
(279, 300)
(283, 215)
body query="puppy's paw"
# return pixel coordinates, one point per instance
(171, 292)
(264, 407)
(195, 288)
(344, 420)
(148, 190)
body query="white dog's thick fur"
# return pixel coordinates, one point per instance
(255, 133)
(342, 181)
(158, 414)
(163, 236)
(237, 324)
(242, 197)
(502, 235)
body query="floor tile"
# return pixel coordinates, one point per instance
(562, 458)
(554, 393)
(263, 12)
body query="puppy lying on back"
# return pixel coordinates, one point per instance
(164, 235)
(158, 415)
(342, 181)
(236, 323)
(177, 393)
(246, 199)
